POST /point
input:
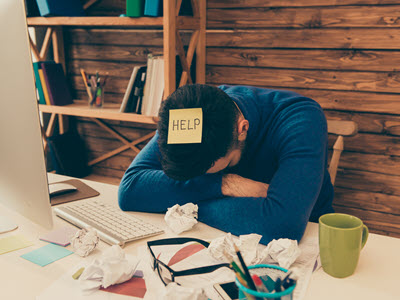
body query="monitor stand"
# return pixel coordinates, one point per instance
(6, 225)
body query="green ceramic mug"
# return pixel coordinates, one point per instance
(341, 238)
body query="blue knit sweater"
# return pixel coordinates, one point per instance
(286, 147)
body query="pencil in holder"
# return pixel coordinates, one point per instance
(274, 272)
(97, 97)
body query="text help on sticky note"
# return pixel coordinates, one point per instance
(185, 126)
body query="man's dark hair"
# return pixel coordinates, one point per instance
(220, 115)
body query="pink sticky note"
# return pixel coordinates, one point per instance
(61, 236)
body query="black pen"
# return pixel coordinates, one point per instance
(246, 271)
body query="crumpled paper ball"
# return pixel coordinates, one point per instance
(181, 218)
(222, 248)
(112, 267)
(282, 251)
(85, 241)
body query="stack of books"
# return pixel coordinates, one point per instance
(51, 84)
(145, 88)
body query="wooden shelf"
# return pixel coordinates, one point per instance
(110, 111)
(182, 22)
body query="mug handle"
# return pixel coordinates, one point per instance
(364, 236)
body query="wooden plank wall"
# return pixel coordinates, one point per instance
(343, 53)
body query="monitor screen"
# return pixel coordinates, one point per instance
(23, 177)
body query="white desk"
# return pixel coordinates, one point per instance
(377, 275)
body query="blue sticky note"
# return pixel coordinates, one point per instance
(46, 254)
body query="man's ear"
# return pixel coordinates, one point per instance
(243, 127)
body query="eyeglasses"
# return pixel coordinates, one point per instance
(168, 275)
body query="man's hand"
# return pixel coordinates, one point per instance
(237, 186)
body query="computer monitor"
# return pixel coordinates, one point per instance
(23, 177)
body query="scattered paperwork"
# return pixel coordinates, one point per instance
(85, 241)
(111, 268)
(181, 218)
(46, 254)
(66, 288)
(14, 242)
(178, 292)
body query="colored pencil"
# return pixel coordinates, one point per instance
(246, 271)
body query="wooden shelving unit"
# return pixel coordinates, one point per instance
(170, 23)
(110, 111)
(182, 22)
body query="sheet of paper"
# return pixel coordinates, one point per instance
(66, 288)
(305, 264)
(61, 236)
(46, 254)
(14, 242)
(194, 259)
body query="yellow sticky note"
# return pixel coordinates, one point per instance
(185, 126)
(12, 243)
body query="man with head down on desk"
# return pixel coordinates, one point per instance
(254, 160)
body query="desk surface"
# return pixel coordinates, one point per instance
(376, 277)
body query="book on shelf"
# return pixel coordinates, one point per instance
(134, 8)
(139, 90)
(134, 91)
(39, 88)
(56, 84)
(154, 86)
(70, 8)
(153, 8)
(44, 87)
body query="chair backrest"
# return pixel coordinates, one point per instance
(339, 128)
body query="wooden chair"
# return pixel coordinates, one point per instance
(339, 128)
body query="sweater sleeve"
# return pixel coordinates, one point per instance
(145, 187)
(301, 142)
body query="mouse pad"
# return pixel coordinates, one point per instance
(84, 191)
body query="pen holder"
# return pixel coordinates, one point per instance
(97, 99)
(272, 271)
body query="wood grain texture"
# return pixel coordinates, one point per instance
(330, 38)
(371, 144)
(368, 181)
(374, 163)
(388, 82)
(289, 3)
(113, 53)
(352, 59)
(370, 201)
(307, 17)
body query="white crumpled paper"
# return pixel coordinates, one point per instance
(222, 248)
(85, 241)
(181, 218)
(111, 268)
(178, 292)
(282, 251)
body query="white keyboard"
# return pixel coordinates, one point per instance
(113, 225)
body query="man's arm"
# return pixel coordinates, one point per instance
(234, 185)
(292, 192)
(145, 187)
